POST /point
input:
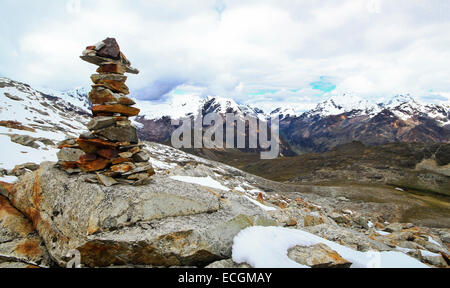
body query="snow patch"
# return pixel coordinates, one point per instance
(8, 179)
(262, 206)
(276, 241)
(203, 181)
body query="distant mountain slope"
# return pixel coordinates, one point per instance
(336, 122)
(33, 122)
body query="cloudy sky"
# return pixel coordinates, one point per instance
(266, 53)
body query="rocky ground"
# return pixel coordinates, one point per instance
(189, 215)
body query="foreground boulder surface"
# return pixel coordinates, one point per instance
(171, 223)
(20, 245)
(166, 223)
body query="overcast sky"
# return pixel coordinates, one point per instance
(292, 52)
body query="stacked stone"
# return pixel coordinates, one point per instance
(111, 149)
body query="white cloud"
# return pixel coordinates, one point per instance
(237, 48)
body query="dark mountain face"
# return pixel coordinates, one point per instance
(156, 130)
(320, 134)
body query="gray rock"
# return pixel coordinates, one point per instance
(16, 265)
(24, 140)
(71, 142)
(437, 261)
(87, 136)
(347, 237)
(100, 123)
(362, 221)
(69, 154)
(107, 181)
(120, 134)
(394, 227)
(318, 256)
(340, 219)
(46, 141)
(13, 97)
(108, 76)
(227, 264)
(185, 224)
(141, 157)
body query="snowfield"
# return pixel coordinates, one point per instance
(267, 247)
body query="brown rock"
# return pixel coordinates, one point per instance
(93, 145)
(112, 68)
(108, 153)
(69, 165)
(115, 86)
(100, 95)
(92, 166)
(120, 160)
(313, 220)
(117, 108)
(111, 49)
(260, 198)
(318, 256)
(122, 168)
(16, 125)
(291, 222)
(6, 189)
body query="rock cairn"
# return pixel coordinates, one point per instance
(111, 149)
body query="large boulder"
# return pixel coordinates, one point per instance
(20, 246)
(166, 223)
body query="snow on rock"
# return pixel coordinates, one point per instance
(240, 189)
(382, 233)
(276, 241)
(431, 240)
(8, 179)
(203, 181)
(262, 206)
(13, 154)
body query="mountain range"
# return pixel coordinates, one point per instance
(336, 121)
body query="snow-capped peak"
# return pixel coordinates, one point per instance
(399, 100)
(283, 112)
(339, 104)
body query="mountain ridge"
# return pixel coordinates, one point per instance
(335, 121)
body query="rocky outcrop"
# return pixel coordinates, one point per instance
(20, 245)
(171, 223)
(167, 223)
(318, 256)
